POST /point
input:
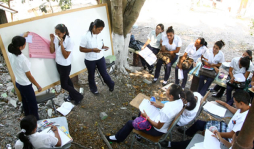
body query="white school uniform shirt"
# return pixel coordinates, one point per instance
(239, 119)
(68, 45)
(168, 113)
(39, 140)
(193, 54)
(189, 115)
(155, 40)
(218, 58)
(177, 42)
(235, 65)
(91, 41)
(20, 65)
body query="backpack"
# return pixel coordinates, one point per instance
(141, 123)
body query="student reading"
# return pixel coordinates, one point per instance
(92, 44)
(63, 48)
(22, 71)
(29, 138)
(160, 126)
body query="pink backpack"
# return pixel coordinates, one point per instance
(141, 123)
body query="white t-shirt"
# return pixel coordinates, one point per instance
(193, 53)
(68, 45)
(92, 41)
(168, 113)
(235, 65)
(218, 58)
(155, 40)
(236, 122)
(39, 140)
(188, 115)
(20, 65)
(177, 42)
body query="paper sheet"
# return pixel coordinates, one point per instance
(215, 109)
(39, 47)
(239, 77)
(150, 110)
(210, 142)
(29, 39)
(148, 55)
(198, 146)
(180, 74)
(65, 108)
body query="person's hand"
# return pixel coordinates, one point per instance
(61, 42)
(144, 113)
(220, 102)
(180, 66)
(143, 48)
(216, 134)
(96, 50)
(232, 80)
(154, 104)
(105, 47)
(216, 69)
(26, 34)
(54, 129)
(52, 37)
(39, 88)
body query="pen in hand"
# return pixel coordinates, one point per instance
(53, 128)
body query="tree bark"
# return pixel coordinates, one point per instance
(117, 17)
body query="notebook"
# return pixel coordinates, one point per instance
(150, 110)
(65, 108)
(215, 109)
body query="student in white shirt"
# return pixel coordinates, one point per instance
(212, 58)
(153, 43)
(192, 102)
(193, 51)
(29, 138)
(171, 44)
(22, 71)
(63, 49)
(92, 44)
(160, 126)
(241, 101)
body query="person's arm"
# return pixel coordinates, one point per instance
(223, 141)
(172, 52)
(31, 79)
(55, 130)
(52, 44)
(157, 105)
(246, 74)
(230, 108)
(230, 72)
(86, 50)
(147, 42)
(156, 125)
(227, 134)
(64, 52)
(216, 65)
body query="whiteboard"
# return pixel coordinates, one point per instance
(77, 22)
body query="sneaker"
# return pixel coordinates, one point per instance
(96, 93)
(138, 137)
(109, 140)
(155, 80)
(164, 83)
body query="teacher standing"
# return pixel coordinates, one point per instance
(63, 46)
(92, 44)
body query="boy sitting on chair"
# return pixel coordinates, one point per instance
(241, 102)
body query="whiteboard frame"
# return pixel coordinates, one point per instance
(42, 17)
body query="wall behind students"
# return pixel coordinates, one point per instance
(77, 21)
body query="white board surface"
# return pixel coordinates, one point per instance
(77, 21)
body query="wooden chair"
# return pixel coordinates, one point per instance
(156, 139)
(202, 103)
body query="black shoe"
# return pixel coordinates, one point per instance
(133, 117)
(77, 102)
(96, 93)
(144, 68)
(164, 84)
(180, 130)
(154, 81)
(138, 137)
(68, 99)
(109, 140)
(151, 71)
(164, 143)
(112, 89)
(216, 96)
(212, 90)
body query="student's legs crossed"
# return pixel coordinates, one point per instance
(91, 66)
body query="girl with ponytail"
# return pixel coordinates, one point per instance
(212, 58)
(63, 46)
(23, 77)
(160, 125)
(30, 139)
(92, 45)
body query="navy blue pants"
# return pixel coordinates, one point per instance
(197, 126)
(143, 61)
(167, 70)
(220, 89)
(203, 87)
(185, 76)
(122, 134)
(180, 145)
(101, 65)
(66, 84)
(28, 100)
(230, 100)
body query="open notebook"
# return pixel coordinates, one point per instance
(64, 138)
(215, 109)
(150, 110)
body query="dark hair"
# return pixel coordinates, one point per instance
(220, 43)
(245, 62)
(176, 91)
(202, 41)
(170, 30)
(28, 123)
(16, 42)
(63, 29)
(249, 52)
(189, 97)
(242, 96)
(161, 25)
(97, 23)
